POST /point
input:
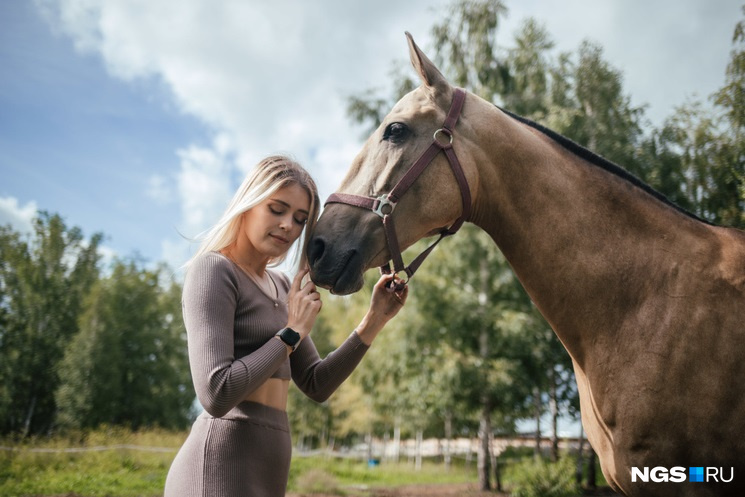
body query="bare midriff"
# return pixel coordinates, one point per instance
(272, 393)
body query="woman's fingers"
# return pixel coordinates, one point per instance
(295, 287)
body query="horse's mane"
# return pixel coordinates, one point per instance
(601, 162)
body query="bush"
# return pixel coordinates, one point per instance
(544, 479)
(318, 481)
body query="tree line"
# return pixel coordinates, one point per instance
(82, 345)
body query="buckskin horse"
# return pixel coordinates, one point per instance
(648, 300)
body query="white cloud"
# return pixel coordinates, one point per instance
(19, 217)
(204, 184)
(271, 77)
(159, 189)
(176, 253)
(268, 77)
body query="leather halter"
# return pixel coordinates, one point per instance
(385, 204)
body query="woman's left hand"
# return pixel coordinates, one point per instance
(386, 303)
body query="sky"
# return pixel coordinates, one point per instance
(139, 118)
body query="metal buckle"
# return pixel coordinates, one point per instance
(383, 202)
(446, 132)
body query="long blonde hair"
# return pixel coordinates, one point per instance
(268, 176)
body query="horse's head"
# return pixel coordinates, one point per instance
(349, 239)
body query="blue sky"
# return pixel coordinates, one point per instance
(138, 118)
(78, 142)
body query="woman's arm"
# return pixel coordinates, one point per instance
(209, 301)
(319, 378)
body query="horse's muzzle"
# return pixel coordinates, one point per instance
(338, 269)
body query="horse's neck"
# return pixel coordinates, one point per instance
(583, 241)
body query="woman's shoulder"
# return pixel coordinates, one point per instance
(209, 264)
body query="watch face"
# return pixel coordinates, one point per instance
(289, 336)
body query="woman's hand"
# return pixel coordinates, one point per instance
(385, 302)
(384, 305)
(303, 305)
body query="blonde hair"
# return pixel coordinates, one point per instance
(271, 174)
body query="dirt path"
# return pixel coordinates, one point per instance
(459, 490)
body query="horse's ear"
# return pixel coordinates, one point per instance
(432, 78)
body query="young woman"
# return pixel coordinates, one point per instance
(248, 334)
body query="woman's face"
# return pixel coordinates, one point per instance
(271, 227)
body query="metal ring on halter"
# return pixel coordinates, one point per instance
(384, 201)
(447, 132)
(392, 286)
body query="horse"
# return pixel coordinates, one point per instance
(648, 299)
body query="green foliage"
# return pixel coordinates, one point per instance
(467, 46)
(123, 463)
(78, 349)
(113, 466)
(602, 117)
(543, 479)
(127, 365)
(318, 481)
(532, 86)
(44, 279)
(353, 472)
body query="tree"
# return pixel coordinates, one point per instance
(467, 46)
(697, 158)
(532, 86)
(475, 305)
(347, 413)
(586, 103)
(729, 168)
(43, 278)
(313, 423)
(128, 365)
(410, 382)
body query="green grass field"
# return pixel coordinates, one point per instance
(118, 463)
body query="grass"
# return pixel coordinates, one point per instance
(116, 466)
(355, 473)
(43, 468)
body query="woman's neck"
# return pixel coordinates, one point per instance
(247, 258)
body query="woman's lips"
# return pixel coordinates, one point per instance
(280, 239)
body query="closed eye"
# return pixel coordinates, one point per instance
(396, 133)
(280, 212)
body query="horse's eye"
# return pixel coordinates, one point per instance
(396, 132)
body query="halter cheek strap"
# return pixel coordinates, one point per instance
(384, 205)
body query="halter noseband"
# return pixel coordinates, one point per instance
(384, 205)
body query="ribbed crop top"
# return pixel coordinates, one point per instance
(231, 323)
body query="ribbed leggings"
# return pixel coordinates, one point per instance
(243, 454)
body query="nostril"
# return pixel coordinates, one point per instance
(316, 247)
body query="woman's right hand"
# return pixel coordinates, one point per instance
(303, 305)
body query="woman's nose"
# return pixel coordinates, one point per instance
(285, 223)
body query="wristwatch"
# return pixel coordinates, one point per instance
(290, 337)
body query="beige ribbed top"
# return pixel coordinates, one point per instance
(230, 324)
